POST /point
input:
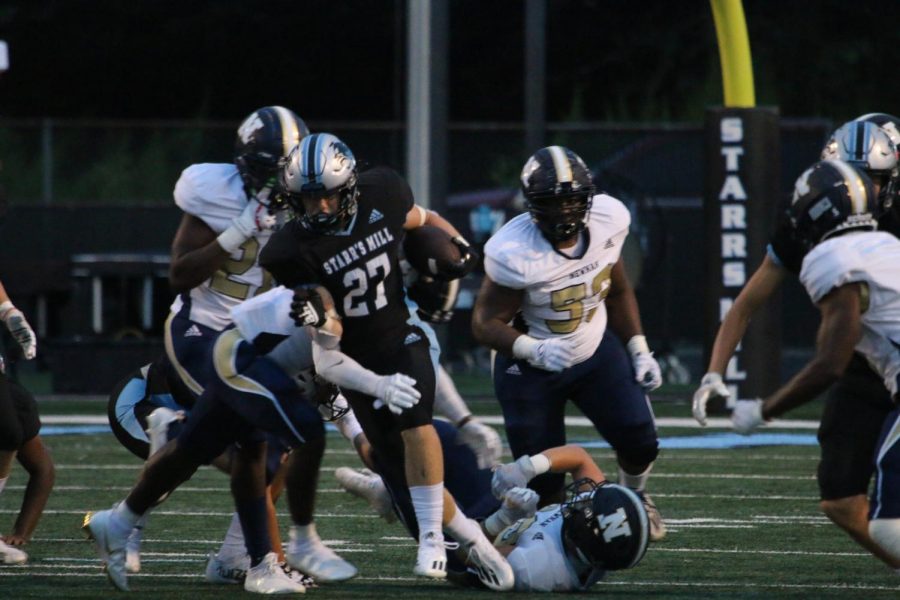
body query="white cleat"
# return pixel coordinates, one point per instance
(269, 578)
(158, 423)
(431, 561)
(657, 525)
(365, 484)
(490, 566)
(296, 576)
(312, 557)
(10, 555)
(110, 545)
(226, 571)
(133, 551)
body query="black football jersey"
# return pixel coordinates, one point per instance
(359, 267)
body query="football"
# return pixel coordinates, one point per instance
(430, 250)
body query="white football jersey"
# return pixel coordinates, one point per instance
(563, 295)
(872, 258)
(269, 314)
(539, 560)
(214, 193)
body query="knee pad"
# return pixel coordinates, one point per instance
(886, 533)
(639, 455)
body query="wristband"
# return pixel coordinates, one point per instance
(525, 347)
(638, 345)
(541, 464)
(5, 307)
(231, 239)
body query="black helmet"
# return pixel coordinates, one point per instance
(829, 198)
(558, 188)
(264, 139)
(605, 525)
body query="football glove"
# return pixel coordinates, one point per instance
(552, 354)
(467, 261)
(711, 386)
(483, 440)
(254, 218)
(307, 307)
(19, 328)
(646, 369)
(518, 503)
(747, 416)
(512, 475)
(398, 392)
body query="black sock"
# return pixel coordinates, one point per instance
(255, 524)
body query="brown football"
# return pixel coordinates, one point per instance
(430, 250)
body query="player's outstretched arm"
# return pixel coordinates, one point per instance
(561, 459)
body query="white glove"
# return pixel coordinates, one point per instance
(19, 328)
(398, 392)
(711, 386)
(484, 442)
(518, 503)
(646, 369)
(254, 218)
(512, 475)
(747, 415)
(551, 354)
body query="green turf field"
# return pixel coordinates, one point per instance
(743, 523)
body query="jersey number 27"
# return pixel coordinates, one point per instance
(365, 285)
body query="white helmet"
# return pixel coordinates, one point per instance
(867, 146)
(321, 165)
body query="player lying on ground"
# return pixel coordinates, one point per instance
(852, 273)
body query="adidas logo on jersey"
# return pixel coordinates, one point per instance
(375, 216)
(514, 370)
(193, 331)
(609, 244)
(538, 536)
(412, 338)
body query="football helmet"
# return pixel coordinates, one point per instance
(868, 146)
(436, 298)
(888, 123)
(558, 189)
(829, 198)
(605, 525)
(322, 165)
(263, 141)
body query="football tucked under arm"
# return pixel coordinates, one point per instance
(433, 251)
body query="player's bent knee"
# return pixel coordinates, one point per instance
(886, 533)
(639, 456)
(849, 513)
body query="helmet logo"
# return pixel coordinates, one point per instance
(801, 187)
(614, 525)
(250, 126)
(819, 208)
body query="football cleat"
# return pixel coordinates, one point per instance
(109, 540)
(431, 560)
(298, 577)
(269, 578)
(158, 423)
(365, 484)
(490, 566)
(10, 555)
(231, 571)
(133, 550)
(312, 557)
(657, 525)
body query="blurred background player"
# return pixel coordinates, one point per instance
(852, 273)
(19, 427)
(347, 238)
(554, 278)
(857, 404)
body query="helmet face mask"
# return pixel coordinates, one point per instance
(321, 166)
(829, 199)
(605, 525)
(263, 141)
(869, 146)
(558, 189)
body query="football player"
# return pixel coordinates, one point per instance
(852, 273)
(19, 426)
(857, 404)
(347, 238)
(554, 280)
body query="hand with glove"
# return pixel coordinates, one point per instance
(19, 328)
(467, 261)
(551, 354)
(518, 503)
(398, 392)
(711, 386)
(254, 218)
(518, 474)
(747, 416)
(483, 440)
(308, 306)
(646, 369)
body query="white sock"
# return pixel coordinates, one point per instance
(349, 426)
(123, 518)
(465, 530)
(233, 545)
(3, 481)
(428, 503)
(636, 482)
(304, 536)
(886, 533)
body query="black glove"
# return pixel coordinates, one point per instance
(467, 261)
(307, 307)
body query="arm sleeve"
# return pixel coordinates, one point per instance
(343, 371)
